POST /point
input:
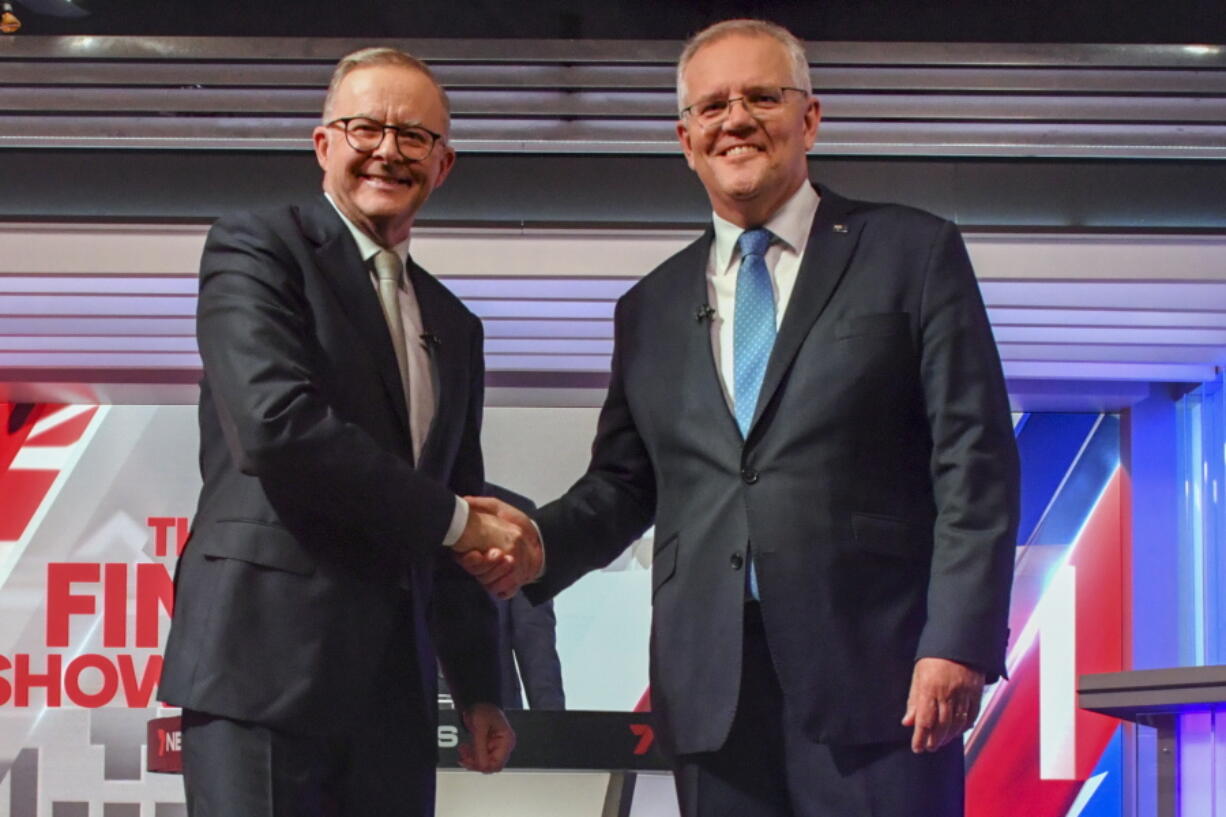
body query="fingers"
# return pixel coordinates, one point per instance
(943, 730)
(492, 740)
(485, 531)
(495, 570)
(501, 575)
(487, 504)
(972, 708)
(500, 751)
(481, 750)
(496, 507)
(937, 723)
(473, 751)
(486, 566)
(965, 710)
(505, 586)
(925, 721)
(943, 702)
(500, 546)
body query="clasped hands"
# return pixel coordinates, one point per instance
(499, 546)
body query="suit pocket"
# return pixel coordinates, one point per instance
(663, 563)
(258, 543)
(885, 323)
(888, 536)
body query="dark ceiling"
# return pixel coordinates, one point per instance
(1042, 21)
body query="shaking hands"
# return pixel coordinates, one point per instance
(499, 546)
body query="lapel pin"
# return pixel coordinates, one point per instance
(840, 228)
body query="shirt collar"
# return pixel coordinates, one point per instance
(367, 246)
(790, 224)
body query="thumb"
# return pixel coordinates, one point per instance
(466, 756)
(908, 718)
(481, 745)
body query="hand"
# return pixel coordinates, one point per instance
(486, 532)
(492, 739)
(943, 703)
(503, 574)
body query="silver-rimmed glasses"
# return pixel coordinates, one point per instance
(760, 103)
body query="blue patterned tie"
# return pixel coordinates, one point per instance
(753, 328)
(753, 336)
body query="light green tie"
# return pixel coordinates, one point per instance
(389, 271)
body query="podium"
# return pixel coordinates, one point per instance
(1160, 698)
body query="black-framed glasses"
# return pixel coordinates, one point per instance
(365, 135)
(760, 103)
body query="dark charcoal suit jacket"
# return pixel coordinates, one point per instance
(528, 637)
(877, 486)
(315, 531)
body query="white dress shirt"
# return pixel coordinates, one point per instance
(790, 225)
(421, 378)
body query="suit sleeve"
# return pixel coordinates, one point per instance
(974, 466)
(255, 336)
(464, 620)
(615, 501)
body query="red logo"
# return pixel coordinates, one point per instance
(168, 742)
(645, 736)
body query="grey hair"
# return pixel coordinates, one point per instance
(367, 57)
(749, 28)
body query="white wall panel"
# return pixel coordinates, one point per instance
(114, 303)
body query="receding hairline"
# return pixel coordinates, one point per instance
(745, 28)
(379, 56)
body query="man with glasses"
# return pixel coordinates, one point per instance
(808, 404)
(340, 415)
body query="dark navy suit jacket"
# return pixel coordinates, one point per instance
(315, 530)
(528, 639)
(878, 483)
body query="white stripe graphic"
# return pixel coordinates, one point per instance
(37, 458)
(10, 553)
(1084, 796)
(1058, 678)
(57, 419)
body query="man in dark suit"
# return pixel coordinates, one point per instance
(531, 668)
(528, 639)
(808, 403)
(340, 413)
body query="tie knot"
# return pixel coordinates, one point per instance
(388, 266)
(755, 241)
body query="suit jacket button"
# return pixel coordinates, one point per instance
(737, 561)
(749, 475)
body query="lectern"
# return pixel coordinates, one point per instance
(1165, 699)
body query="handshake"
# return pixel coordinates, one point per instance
(500, 546)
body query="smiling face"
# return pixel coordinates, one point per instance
(381, 191)
(749, 166)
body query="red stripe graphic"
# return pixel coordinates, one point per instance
(24, 489)
(1003, 780)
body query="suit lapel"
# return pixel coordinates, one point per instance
(832, 241)
(338, 257)
(700, 369)
(446, 345)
